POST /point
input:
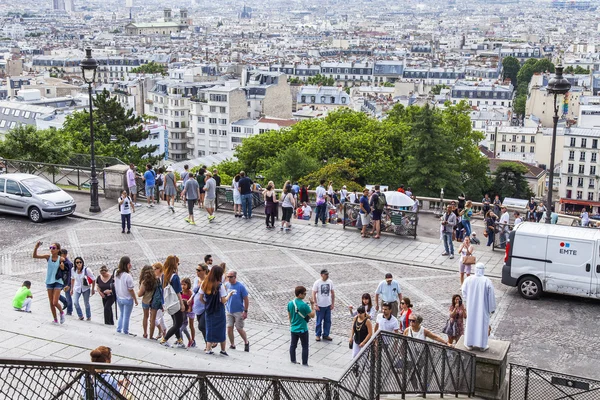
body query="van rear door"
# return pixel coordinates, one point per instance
(596, 272)
(569, 266)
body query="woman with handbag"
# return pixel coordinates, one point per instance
(106, 287)
(455, 326)
(467, 259)
(361, 332)
(82, 284)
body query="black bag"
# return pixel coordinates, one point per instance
(306, 317)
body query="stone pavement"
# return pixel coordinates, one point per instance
(331, 239)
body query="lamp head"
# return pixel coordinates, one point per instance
(88, 67)
(558, 84)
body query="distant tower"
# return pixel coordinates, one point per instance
(129, 5)
(183, 16)
(167, 12)
(58, 4)
(69, 5)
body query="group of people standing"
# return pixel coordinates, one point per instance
(216, 300)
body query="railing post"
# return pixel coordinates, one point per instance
(345, 216)
(444, 358)
(78, 181)
(404, 366)
(526, 383)
(276, 390)
(373, 369)
(89, 385)
(424, 380)
(216, 199)
(203, 390)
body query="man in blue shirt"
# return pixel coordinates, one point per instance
(365, 211)
(236, 309)
(389, 292)
(149, 178)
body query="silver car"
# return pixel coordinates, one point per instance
(33, 196)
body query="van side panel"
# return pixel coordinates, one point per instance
(572, 266)
(528, 256)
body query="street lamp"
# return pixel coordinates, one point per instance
(88, 69)
(557, 85)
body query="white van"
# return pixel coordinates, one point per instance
(553, 258)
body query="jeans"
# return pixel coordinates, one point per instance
(303, 337)
(324, 318)
(448, 246)
(467, 225)
(126, 220)
(202, 324)
(86, 303)
(320, 212)
(67, 302)
(491, 235)
(247, 205)
(176, 328)
(107, 303)
(125, 308)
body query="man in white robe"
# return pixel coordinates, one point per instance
(478, 295)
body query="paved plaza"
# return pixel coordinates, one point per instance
(557, 333)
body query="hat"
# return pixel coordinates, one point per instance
(324, 272)
(502, 206)
(208, 173)
(344, 187)
(169, 169)
(474, 234)
(388, 275)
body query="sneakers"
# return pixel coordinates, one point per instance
(224, 353)
(128, 232)
(445, 254)
(163, 342)
(192, 223)
(179, 344)
(151, 205)
(187, 220)
(55, 322)
(247, 347)
(172, 209)
(62, 317)
(137, 204)
(148, 206)
(122, 231)
(211, 218)
(451, 256)
(192, 344)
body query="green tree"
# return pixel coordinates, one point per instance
(27, 143)
(509, 181)
(341, 172)
(510, 69)
(437, 89)
(150, 68)
(577, 70)
(321, 80)
(115, 131)
(520, 103)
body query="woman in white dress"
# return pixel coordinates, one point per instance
(237, 197)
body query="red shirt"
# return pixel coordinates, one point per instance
(401, 190)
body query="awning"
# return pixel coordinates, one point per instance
(580, 202)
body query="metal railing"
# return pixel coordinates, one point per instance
(224, 199)
(65, 175)
(396, 221)
(397, 364)
(389, 364)
(501, 233)
(526, 383)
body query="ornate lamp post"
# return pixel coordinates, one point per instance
(88, 69)
(557, 85)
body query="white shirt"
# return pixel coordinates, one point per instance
(306, 210)
(126, 206)
(505, 218)
(123, 283)
(320, 192)
(518, 220)
(78, 286)
(323, 289)
(420, 334)
(389, 325)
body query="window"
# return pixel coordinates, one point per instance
(201, 131)
(213, 109)
(322, 99)
(594, 143)
(223, 110)
(218, 97)
(236, 140)
(582, 156)
(17, 113)
(12, 187)
(532, 149)
(2, 123)
(249, 131)
(262, 130)
(582, 169)
(504, 138)
(332, 100)
(593, 170)
(201, 153)
(523, 138)
(570, 181)
(212, 120)
(583, 142)
(236, 129)
(302, 99)
(532, 139)
(570, 168)
(594, 155)
(579, 182)
(569, 194)
(200, 119)
(514, 138)
(222, 121)
(513, 148)
(176, 113)
(591, 196)
(572, 142)
(579, 195)
(522, 149)
(571, 155)
(212, 132)
(492, 136)
(591, 183)
(313, 99)
(222, 132)
(503, 147)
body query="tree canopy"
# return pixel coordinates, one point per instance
(577, 70)
(422, 147)
(25, 142)
(526, 72)
(150, 68)
(509, 181)
(510, 68)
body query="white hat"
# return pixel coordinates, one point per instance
(169, 169)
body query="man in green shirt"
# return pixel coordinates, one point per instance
(298, 313)
(23, 297)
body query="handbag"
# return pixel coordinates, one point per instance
(469, 259)
(450, 328)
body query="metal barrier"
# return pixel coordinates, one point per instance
(397, 364)
(526, 383)
(389, 364)
(399, 222)
(501, 236)
(224, 199)
(66, 175)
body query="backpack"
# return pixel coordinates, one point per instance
(159, 180)
(171, 301)
(157, 299)
(381, 202)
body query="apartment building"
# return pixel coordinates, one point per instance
(322, 97)
(580, 172)
(483, 95)
(348, 73)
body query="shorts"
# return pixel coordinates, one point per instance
(365, 219)
(191, 204)
(54, 286)
(149, 191)
(209, 203)
(465, 268)
(132, 189)
(236, 320)
(191, 315)
(145, 306)
(286, 213)
(376, 215)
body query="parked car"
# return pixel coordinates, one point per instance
(552, 258)
(34, 196)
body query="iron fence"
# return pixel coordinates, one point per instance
(393, 220)
(224, 199)
(501, 232)
(397, 364)
(526, 383)
(64, 175)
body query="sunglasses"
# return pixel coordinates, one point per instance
(53, 247)
(229, 277)
(78, 262)
(199, 270)
(402, 302)
(412, 320)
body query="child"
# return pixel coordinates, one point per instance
(159, 322)
(126, 207)
(23, 297)
(474, 239)
(187, 294)
(148, 285)
(156, 305)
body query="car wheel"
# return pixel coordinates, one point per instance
(35, 215)
(530, 288)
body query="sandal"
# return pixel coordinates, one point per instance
(145, 335)
(376, 237)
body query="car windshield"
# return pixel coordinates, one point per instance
(40, 186)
